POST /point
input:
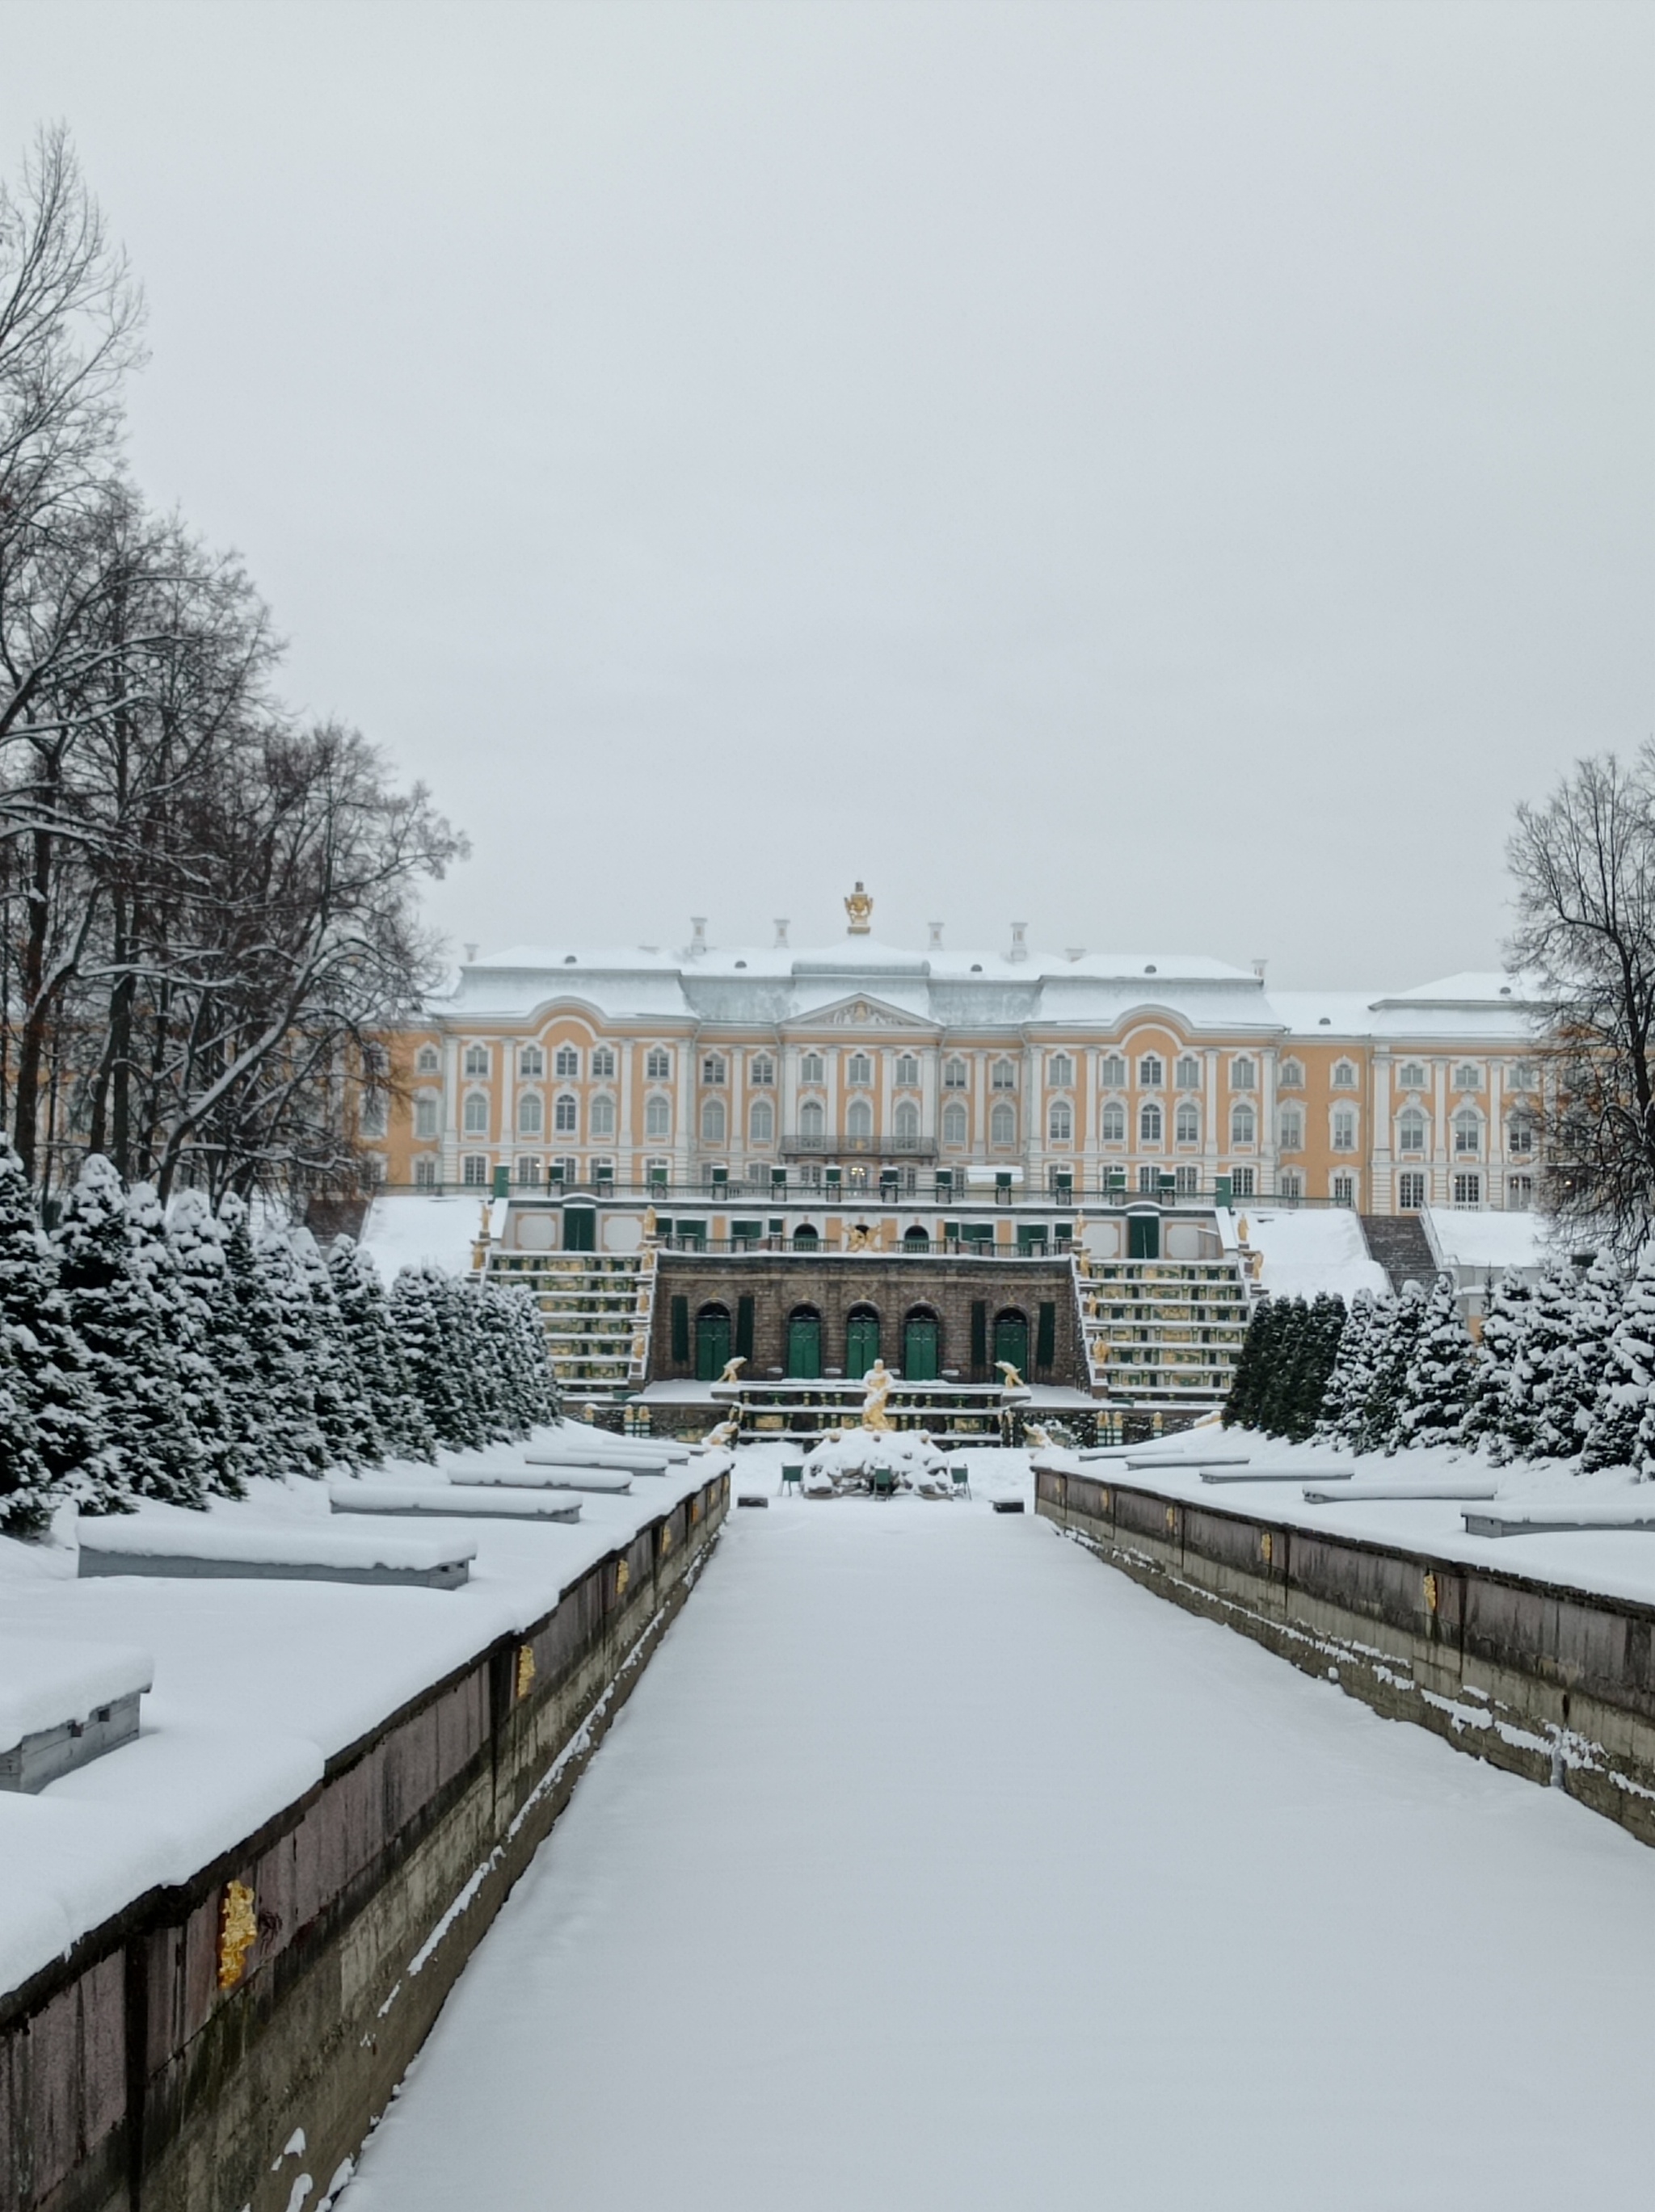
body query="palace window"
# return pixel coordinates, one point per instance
(1520, 1135)
(1523, 1075)
(603, 1117)
(1293, 1075)
(714, 1069)
(908, 1070)
(1241, 1183)
(530, 1114)
(1188, 1181)
(1060, 1122)
(761, 1122)
(373, 1114)
(859, 1071)
(1111, 1071)
(810, 1068)
(1290, 1185)
(1344, 1129)
(1411, 1075)
(760, 1071)
(1342, 1190)
(565, 1170)
(1244, 1125)
(474, 1169)
(658, 1119)
(954, 1123)
(1244, 1075)
(813, 1121)
(1150, 1071)
(1059, 1072)
(427, 1062)
(1186, 1123)
(1519, 1193)
(714, 1121)
(476, 1059)
(528, 1167)
(1148, 1181)
(531, 1062)
(566, 1062)
(1410, 1131)
(1002, 1076)
(1467, 1078)
(1344, 1075)
(565, 1115)
(953, 1075)
(1410, 1191)
(476, 1122)
(1002, 1124)
(907, 1123)
(1468, 1190)
(1468, 1133)
(1112, 1123)
(425, 1173)
(1186, 1074)
(603, 1063)
(1292, 1122)
(657, 1065)
(1149, 1123)
(425, 1117)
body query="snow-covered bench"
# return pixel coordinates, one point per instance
(1348, 1492)
(1276, 1475)
(296, 1552)
(62, 1704)
(440, 1499)
(1558, 1520)
(613, 1479)
(596, 1455)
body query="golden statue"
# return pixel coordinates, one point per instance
(861, 1237)
(1241, 1231)
(725, 1434)
(733, 1368)
(878, 1379)
(1033, 1433)
(648, 1223)
(1013, 1381)
(859, 907)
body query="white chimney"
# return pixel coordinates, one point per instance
(697, 935)
(1020, 950)
(781, 930)
(1258, 969)
(935, 928)
(471, 954)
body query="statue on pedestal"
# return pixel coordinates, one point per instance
(877, 1382)
(733, 1368)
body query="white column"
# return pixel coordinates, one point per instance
(451, 1109)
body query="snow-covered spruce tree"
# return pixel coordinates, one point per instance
(398, 1414)
(540, 1382)
(178, 1315)
(344, 1409)
(53, 1375)
(1281, 1380)
(299, 1351)
(1626, 1398)
(1318, 1348)
(202, 1270)
(1541, 1406)
(272, 1402)
(1351, 1375)
(1598, 1297)
(1504, 1321)
(435, 1344)
(510, 1412)
(1437, 1388)
(1395, 1329)
(134, 1366)
(1247, 1385)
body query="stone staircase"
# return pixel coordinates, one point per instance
(1398, 1242)
(596, 1308)
(1163, 1333)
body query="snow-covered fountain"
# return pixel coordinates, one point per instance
(848, 1459)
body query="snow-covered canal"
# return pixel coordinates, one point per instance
(933, 1864)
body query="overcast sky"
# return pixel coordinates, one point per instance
(1175, 476)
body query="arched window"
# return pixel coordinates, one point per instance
(1244, 1125)
(1344, 1129)
(714, 1069)
(1467, 1077)
(1002, 1124)
(1111, 1071)
(603, 1063)
(810, 1067)
(1344, 1075)
(1060, 1072)
(531, 1062)
(859, 1069)
(713, 1121)
(813, 1121)
(566, 1062)
(425, 1117)
(1411, 1075)
(907, 1122)
(760, 1122)
(1002, 1076)
(953, 1075)
(1060, 1122)
(1468, 1133)
(1186, 1124)
(1520, 1133)
(1150, 1071)
(1292, 1120)
(762, 1070)
(858, 1121)
(1114, 1123)
(1410, 1132)
(908, 1070)
(428, 1062)
(1244, 1075)
(603, 1117)
(657, 1064)
(954, 1123)
(476, 1059)
(565, 1115)
(530, 1114)
(476, 1123)
(658, 1118)
(1293, 1075)
(1149, 1123)
(1187, 1073)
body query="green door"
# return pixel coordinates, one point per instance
(579, 1229)
(1011, 1341)
(1143, 1236)
(919, 1357)
(712, 1343)
(805, 1347)
(862, 1344)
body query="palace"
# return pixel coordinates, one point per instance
(947, 1154)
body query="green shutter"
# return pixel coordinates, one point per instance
(743, 1328)
(1045, 1339)
(681, 1332)
(979, 1333)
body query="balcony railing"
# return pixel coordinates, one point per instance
(807, 1144)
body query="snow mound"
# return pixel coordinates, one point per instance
(847, 1462)
(1306, 1252)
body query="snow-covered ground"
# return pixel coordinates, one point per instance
(256, 1683)
(1306, 1251)
(406, 1229)
(935, 1867)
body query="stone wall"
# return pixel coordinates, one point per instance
(777, 1282)
(137, 2076)
(1552, 1683)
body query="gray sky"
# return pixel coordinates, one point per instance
(1173, 475)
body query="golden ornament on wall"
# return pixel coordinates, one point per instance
(859, 907)
(525, 1669)
(238, 1931)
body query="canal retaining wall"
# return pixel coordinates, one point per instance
(219, 2042)
(1552, 1683)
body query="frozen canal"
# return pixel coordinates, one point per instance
(933, 1864)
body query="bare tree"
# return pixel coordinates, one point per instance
(1583, 870)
